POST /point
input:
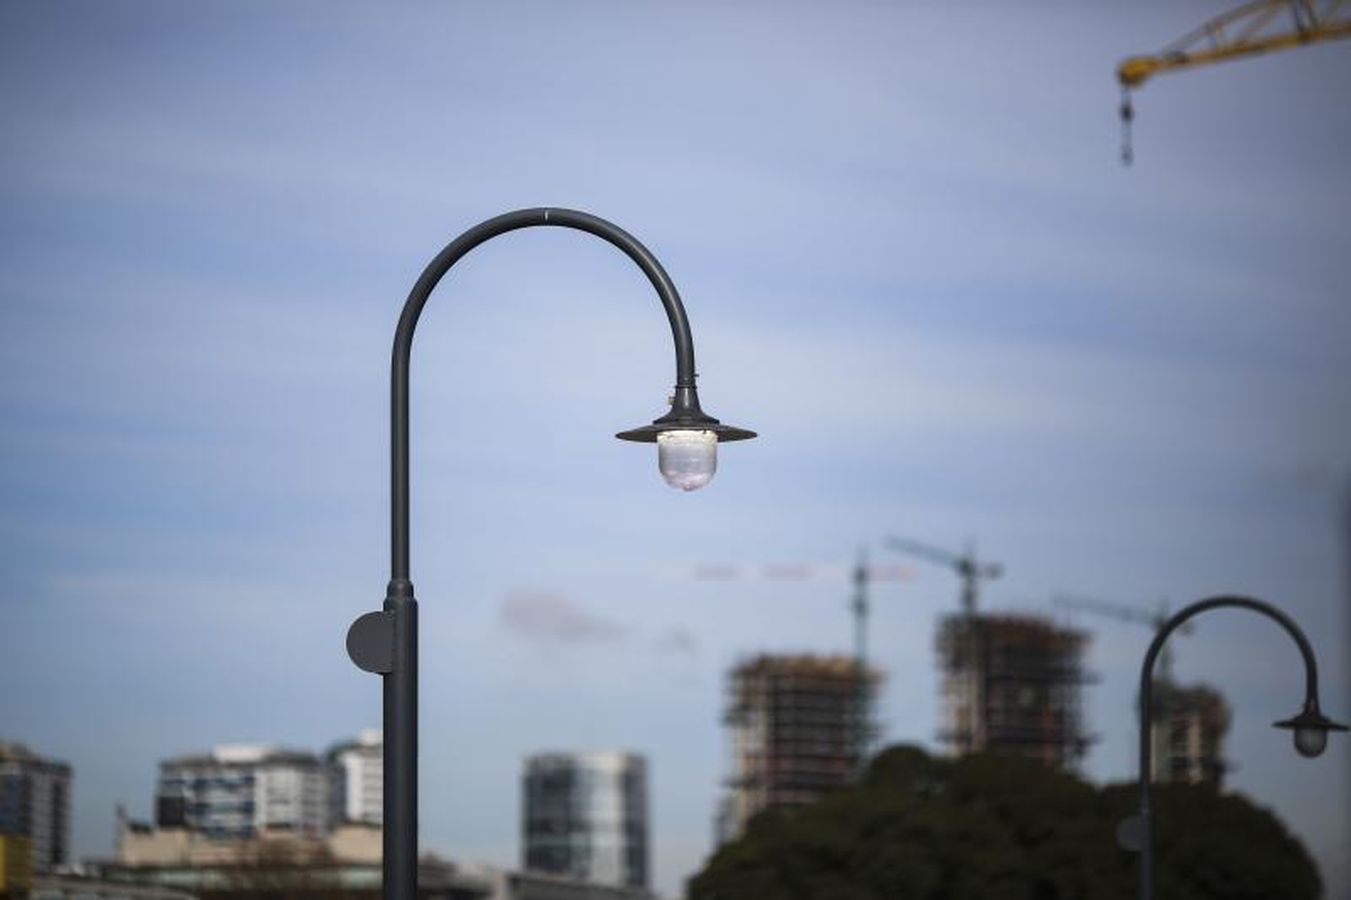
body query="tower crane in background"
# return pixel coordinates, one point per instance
(1260, 26)
(969, 569)
(1201, 761)
(861, 575)
(1151, 620)
(860, 609)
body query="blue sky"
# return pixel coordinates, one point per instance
(911, 260)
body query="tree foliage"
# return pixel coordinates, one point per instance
(923, 828)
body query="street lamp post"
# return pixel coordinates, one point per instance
(1310, 726)
(385, 642)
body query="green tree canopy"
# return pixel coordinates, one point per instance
(922, 828)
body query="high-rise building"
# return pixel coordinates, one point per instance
(585, 816)
(1189, 731)
(799, 727)
(357, 772)
(35, 804)
(1011, 684)
(241, 791)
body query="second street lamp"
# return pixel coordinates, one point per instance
(385, 642)
(1310, 727)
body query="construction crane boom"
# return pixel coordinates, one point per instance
(1151, 620)
(791, 571)
(923, 551)
(1113, 610)
(969, 569)
(861, 574)
(1260, 26)
(1253, 28)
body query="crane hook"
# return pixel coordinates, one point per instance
(1127, 118)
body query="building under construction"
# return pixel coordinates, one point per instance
(799, 726)
(1189, 730)
(1011, 684)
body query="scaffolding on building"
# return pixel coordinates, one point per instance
(1189, 731)
(1011, 684)
(799, 726)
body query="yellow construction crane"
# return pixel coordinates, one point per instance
(1257, 27)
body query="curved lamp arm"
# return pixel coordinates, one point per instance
(1259, 606)
(1309, 719)
(417, 299)
(385, 642)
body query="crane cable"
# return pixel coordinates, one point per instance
(1127, 119)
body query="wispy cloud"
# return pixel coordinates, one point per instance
(678, 641)
(554, 619)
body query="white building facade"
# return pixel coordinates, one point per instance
(356, 769)
(1190, 727)
(242, 791)
(586, 817)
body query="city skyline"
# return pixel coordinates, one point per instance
(912, 261)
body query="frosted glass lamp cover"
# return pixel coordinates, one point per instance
(687, 458)
(1310, 740)
(1311, 729)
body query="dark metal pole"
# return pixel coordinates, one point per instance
(398, 664)
(1147, 707)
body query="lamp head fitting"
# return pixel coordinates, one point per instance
(687, 441)
(1310, 730)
